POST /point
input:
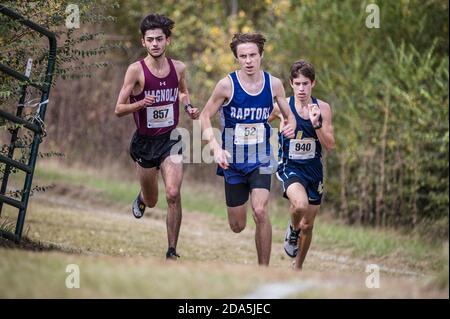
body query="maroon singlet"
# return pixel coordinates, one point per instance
(162, 116)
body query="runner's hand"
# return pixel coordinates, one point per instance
(314, 114)
(221, 157)
(147, 101)
(193, 112)
(288, 131)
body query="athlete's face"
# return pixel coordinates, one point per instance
(249, 58)
(155, 41)
(302, 87)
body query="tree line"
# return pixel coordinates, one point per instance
(387, 86)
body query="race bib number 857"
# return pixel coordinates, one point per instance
(160, 116)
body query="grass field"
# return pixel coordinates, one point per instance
(358, 241)
(85, 220)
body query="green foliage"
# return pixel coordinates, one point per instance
(388, 88)
(17, 194)
(18, 43)
(77, 55)
(202, 33)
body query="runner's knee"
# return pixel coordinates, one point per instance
(306, 227)
(260, 214)
(150, 200)
(152, 203)
(236, 226)
(172, 194)
(299, 205)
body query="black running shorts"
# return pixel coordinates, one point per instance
(237, 194)
(150, 151)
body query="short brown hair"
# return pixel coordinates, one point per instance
(304, 68)
(240, 38)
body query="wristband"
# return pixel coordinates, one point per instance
(188, 106)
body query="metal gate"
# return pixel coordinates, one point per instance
(36, 125)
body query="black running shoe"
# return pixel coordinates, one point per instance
(172, 254)
(138, 208)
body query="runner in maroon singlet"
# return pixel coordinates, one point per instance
(153, 89)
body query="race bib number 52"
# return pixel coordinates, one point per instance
(160, 116)
(249, 134)
(302, 149)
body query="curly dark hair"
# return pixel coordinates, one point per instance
(157, 21)
(240, 38)
(304, 68)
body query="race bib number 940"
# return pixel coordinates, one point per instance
(302, 149)
(160, 116)
(248, 134)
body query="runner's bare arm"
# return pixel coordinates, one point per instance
(183, 89)
(123, 105)
(325, 133)
(221, 93)
(280, 96)
(276, 114)
(193, 112)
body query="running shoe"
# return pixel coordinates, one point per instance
(138, 207)
(291, 241)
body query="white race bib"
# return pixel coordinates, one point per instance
(160, 116)
(302, 149)
(249, 134)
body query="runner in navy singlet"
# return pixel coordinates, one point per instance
(300, 167)
(245, 100)
(152, 90)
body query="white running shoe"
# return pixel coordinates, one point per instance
(291, 241)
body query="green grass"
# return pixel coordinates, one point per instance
(118, 191)
(44, 276)
(7, 225)
(409, 249)
(370, 243)
(120, 256)
(194, 197)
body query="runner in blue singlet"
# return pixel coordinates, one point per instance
(300, 166)
(245, 100)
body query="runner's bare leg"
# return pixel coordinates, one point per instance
(263, 234)
(172, 173)
(306, 234)
(148, 179)
(237, 217)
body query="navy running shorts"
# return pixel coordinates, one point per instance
(237, 194)
(309, 175)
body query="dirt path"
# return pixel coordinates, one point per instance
(214, 235)
(206, 242)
